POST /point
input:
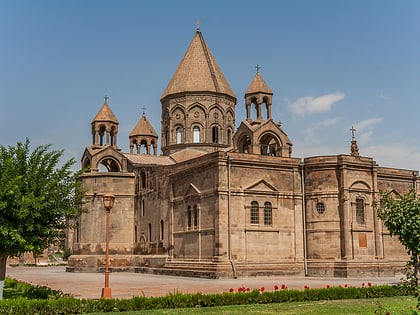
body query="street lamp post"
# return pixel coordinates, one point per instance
(108, 200)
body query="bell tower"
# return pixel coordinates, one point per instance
(104, 126)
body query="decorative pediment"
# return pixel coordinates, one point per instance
(262, 186)
(192, 190)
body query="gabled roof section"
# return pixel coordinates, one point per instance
(258, 85)
(198, 72)
(143, 128)
(105, 114)
(144, 159)
(186, 154)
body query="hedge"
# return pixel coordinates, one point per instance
(65, 305)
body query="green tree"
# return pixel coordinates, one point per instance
(37, 199)
(401, 216)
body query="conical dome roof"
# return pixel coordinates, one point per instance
(143, 128)
(258, 85)
(105, 114)
(198, 72)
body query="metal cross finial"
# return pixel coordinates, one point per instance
(144, 110)
(353, 130)
(258, 68)
(106, 98)
(198, 25)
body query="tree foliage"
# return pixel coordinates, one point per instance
(38, 196)
(401, 216)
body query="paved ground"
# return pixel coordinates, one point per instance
(126, 285)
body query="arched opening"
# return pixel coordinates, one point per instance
(178, 135)
(196, 134)
(229, 137)
(245, 144)
(101, 135)
(269, 145)
(215, 134)
(108, 165)
(113, 138)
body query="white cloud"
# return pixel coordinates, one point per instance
(310, 131)
(368, 123)
(310, 104)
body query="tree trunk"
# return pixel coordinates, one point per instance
(3, 261)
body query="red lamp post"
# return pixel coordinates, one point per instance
(108, 200)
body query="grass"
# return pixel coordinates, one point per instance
(394, 305)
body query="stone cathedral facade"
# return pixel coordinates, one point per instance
(222, 201)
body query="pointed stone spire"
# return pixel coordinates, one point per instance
(143, 134)
(198, 71)
(105, 114)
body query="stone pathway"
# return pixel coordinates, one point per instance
(126, 285)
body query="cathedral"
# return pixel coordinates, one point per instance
(223, 201)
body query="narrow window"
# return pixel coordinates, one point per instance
(268, 213)
(215, 134)
(195, 217)
(360, 211)
(255, 213)
(189, 215)
(196, 134)
(166, 138)
(229, 136)
(178, 135)
(161, 230)
(150, 232)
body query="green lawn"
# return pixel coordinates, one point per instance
(395, 305)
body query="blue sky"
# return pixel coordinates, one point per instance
(330, 64)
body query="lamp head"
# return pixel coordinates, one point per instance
(108, 201)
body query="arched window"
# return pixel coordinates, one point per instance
(255, 213)
(215, 134)
(229, 135)
(268, 213)
(178, 135)
(360, 211)
(196, 134)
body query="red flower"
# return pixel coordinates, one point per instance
(369, 284)
(327, 286)
(248, 290)
(262, 289)
(363, 284)
(276, 287)
(305, 287)
(231, 290)
(346, 285)
(283, 287)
